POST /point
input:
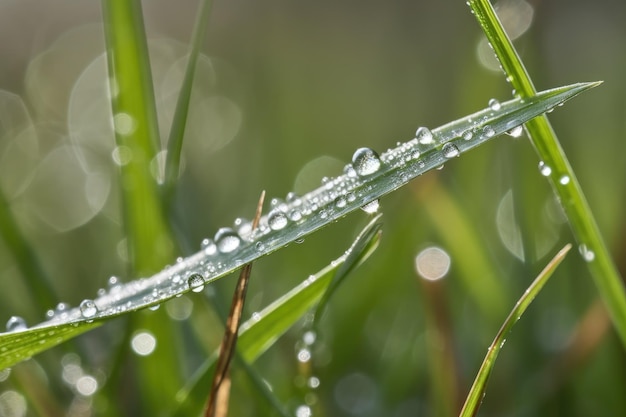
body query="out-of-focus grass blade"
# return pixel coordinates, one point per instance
(149, 242)
(477, 392)
(560, 174)
(26, 259)
(177, 131)
(259, 333)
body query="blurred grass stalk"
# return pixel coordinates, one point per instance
(561, 176)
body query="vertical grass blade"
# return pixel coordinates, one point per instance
(477, 392)
(179, 123)
(560, 175)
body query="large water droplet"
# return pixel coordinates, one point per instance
(16, 324)
(516, 132)
(494, 104)
(365, 161)
(424, 135)
(227, 240)
(195, 282)
(450, 150)
(544, 169)
(88, 309)
(277, 220)
(371, 207)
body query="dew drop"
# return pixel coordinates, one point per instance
(564, 180)
(516, 132)
(16, 324)
(195, 282)
(424, 135)
(494, 104)
(259, 246)
(295, 215)
(227, 240)
(467, 135)
(340, 202)
(450, 150)
(208, 246)
(371, 207)
(88, 309)
(304, 355)
(488, 131)
(365, 161)
(587, 254)
(544, 169)
(277, 220)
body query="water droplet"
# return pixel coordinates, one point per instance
(304, 355)
(450, 150)
(415, 154)
(349, 171)
(467, 135)
(227, 240)
(277, 220)
(309, 337)
(587, 254)
(340, 202)
(516, 132)
(564, 180)
(365, 161)
(488, 131)
(295, 215)
(259, 246)
(304, 411)
(88, 309)
(195, 282)
(371, 207)
(208, 246)
(16, 324)
(314, 382)
(544, 169)
(424, 135)
(494, 104)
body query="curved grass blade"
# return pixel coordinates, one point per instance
(177, 131)
(477, 392)
(259, 333)
(561, 176)
(301, 216)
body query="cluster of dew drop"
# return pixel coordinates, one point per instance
(288, 220)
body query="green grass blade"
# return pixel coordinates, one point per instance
(398, 166)
(561, 175)
(26, 259)
(177, 131)
(136, 129)
(477, 392)
(259, 333)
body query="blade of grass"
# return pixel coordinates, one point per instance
(220, 388)
(561, 176)
(179, 123)
(399, 166)
(259, 333)
(26, 259)
(477, 392)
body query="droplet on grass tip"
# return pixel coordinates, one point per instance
(365, 161)
(88, 309)
(424, 135)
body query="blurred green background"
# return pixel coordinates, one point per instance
(285, 92)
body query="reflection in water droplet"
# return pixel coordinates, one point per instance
(88, 309)
(450, 150)
(467, 135)
(365, 161)
(494, 104)
(16, 324)
(371, 207)
(564, 180)
(227, 240)
(196, 282)
(277, 220)
(544, 169)
(424, 135)
(516, 132)
(488, 131)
